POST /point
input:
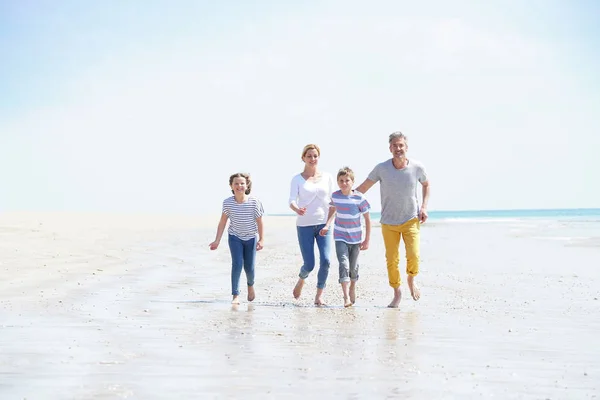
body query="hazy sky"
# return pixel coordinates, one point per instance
(150, 105)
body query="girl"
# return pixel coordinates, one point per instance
(310, 195)
(246, 226)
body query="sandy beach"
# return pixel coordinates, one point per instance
(137, 307)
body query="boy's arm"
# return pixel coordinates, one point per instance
(259, 223)
(365, 244)
(220, 230)
(330, 218)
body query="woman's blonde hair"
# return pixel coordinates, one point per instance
(311, 147)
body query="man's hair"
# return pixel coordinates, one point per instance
(241, 175)
(346, 171)
(398, 135)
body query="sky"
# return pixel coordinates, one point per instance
(150, 106)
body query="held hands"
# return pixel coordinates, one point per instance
(324, 230)
(423, 215)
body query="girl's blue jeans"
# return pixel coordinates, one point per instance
(243, 254)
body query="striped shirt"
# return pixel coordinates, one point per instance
(242, 217)
(347, 225)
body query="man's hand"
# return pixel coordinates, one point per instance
(423, 215)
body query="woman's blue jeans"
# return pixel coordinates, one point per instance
(307, 235)
(243, 254)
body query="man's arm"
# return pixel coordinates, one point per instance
(423, 211)
(366, 185)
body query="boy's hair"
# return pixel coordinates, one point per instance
(241, 175)
(346, 171)
(398, 135)
(311, 147)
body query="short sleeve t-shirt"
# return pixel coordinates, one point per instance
(348, 210)
(398, 188)
(242, 217)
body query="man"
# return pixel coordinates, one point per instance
(401, 216)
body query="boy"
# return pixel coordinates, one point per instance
(347, 205)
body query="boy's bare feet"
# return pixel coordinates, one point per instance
(353, 292)
(251, 293)
(347, 302)
(396, 300)
(415, 292)
(236, 299)
(298, 288)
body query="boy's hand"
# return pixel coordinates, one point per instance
(364, 245)
(214, 245)
(324, 231)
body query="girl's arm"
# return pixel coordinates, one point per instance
(220, 230)
(259, 224)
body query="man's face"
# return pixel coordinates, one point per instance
(398, 148)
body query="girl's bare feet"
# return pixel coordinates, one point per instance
(396, 300)
(251, 293)
(298, 288)
(415, 292)
(236, 299)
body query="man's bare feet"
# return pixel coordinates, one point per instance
(353, 292)
(251, 293)
(396, 300)
(415, 292)
(298, 288)
(236, 299)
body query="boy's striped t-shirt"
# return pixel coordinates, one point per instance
(347, 225)
(242, 216)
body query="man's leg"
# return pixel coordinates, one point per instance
(391, 239)
(411, 232)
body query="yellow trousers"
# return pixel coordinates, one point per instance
(409, 232)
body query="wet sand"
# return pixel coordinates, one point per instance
(112, 307)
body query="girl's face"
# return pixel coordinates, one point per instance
(311, 157)
(239, 185)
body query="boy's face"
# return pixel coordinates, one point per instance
(345, 183)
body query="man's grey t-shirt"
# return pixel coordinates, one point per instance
(398, 188)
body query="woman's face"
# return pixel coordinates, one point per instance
(311, 157)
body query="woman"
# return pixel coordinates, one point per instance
(310, 195)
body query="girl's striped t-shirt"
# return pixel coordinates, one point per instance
(242, 216)
(347, 225)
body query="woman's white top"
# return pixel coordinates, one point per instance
(315, 195)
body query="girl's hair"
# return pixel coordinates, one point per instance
(241, 175)
(346, 171)
(311, 147)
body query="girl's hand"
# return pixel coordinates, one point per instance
(259, 245)
(214, 245)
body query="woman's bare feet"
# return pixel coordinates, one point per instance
(396, 300)
(318, 300)
(415, 292)
(236, 299)
(298, 288)
(251, 293)
(353, 292)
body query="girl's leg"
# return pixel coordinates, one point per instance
(237, 251)
(307, 249)
(249, 261)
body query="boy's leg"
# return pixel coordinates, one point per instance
(237, 251)
(411, 232)
(306, 241)
(353, 252)
(249, 263)
(391, 239)
(341, 250)
(324, 243)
